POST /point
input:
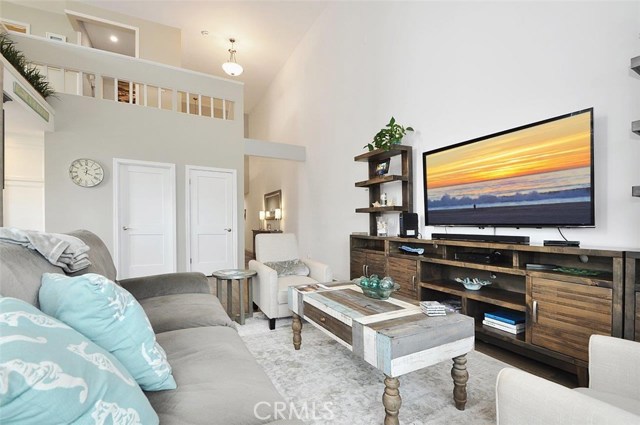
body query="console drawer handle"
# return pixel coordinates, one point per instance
(323, 319)
(535, 311)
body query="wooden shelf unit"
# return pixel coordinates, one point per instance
(374, 182)
(562, 310)
(632, 296)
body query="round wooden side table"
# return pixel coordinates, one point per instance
(241, 276)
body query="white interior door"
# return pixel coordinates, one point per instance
(211, 225)
(145, 205)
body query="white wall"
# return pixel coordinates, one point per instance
(454, 71)
(103, 130)
(24, 181)
(157, 42)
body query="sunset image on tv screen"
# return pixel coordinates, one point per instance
(539, 175)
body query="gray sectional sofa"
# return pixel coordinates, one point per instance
(218, 380)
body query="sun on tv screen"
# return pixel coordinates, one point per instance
(537, 175)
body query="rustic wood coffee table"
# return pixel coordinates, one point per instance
(392, 335)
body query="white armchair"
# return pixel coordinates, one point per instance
(270, 291)
(613, 396)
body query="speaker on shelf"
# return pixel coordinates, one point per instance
(408, 225)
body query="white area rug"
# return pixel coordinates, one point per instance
(330, 385)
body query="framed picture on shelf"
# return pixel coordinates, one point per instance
(382, 167)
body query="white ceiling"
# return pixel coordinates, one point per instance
(100, 34)
(266, 34)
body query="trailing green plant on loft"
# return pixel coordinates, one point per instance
(390, 135)
(20, 63)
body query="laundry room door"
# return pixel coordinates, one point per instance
(145, 218)
(212, 235)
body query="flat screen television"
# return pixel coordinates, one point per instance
(536, 175)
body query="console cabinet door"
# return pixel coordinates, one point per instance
(637, 317)
(376, 263)
(564, 315)
(358, 261)
(365, 262)
(405, 273)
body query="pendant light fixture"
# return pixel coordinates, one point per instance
(232, 67)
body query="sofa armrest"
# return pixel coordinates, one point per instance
(614, 366)
(318, 271)
(265, 286)
(166, 284)
(525, 399)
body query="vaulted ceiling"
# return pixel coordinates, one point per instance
(266, 33)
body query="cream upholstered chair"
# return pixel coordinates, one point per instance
(269, 289)
(613, 396)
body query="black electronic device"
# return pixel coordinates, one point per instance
(536, 175)
(408, 225)
(477, 257)
(561, 243)
(520, 240)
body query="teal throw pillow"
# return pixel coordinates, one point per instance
(50, 373)
(289, 268)
(111, 317)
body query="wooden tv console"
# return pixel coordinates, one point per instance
(562, 309)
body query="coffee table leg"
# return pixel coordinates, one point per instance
(391, 400)
(297, 328)
(460, 377)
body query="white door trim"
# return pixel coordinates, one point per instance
(116, 195)
(234, 215)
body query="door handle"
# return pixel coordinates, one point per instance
(126, 227)
(413, 282)
(535, 311)
(228, 229)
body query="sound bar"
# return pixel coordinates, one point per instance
(520, 240)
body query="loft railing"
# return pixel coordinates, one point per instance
(83, 83)
(82, 71)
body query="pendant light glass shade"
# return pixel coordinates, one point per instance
(232, 67)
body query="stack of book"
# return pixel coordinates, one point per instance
(508, 321)
(432, 308)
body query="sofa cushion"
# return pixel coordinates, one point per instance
(286, 281)
(50, 373)
(109, 315)
(219, 382)
(181, 311)
(624, 403)
(20, 272)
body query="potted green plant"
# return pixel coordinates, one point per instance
(27, 70)
(390, 135)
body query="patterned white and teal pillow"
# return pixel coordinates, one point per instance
(289, 267)
(111, 317)
(50, 373)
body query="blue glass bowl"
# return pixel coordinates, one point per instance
(376, 293)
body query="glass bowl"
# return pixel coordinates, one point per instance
(473, 284)
(376, 293)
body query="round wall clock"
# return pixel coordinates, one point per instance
(86, 172)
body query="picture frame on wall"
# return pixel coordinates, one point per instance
(56, 37)
(382, 167)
